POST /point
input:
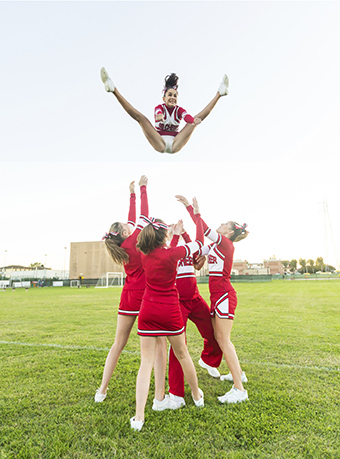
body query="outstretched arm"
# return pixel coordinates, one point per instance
(144, 206)
(208, 232)
(132, 207)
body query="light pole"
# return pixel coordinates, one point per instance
(45, 267)
(65, 262)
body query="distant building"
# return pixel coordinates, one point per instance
(90, 260)
(275, 266)
(14, 268)
(271, 266)
(239, 267)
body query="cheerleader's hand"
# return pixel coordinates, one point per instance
(197, 121)
(143, 180)
(171, 231)
(199, 262)
(178, 228)
(159, 117)
(195, 206)
(183, 200)
(132, 187)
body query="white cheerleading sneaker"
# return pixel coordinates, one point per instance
(178, 401)
(199, 402)
(99, 398)
(234, 396)
(223, 89)
(109, 85)
(166, 404)
(211, 370)
(136, 425)
(229, 377)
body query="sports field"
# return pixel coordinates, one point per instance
(54, 343)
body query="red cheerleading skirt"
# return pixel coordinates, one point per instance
(223, 304)
(160, 319)
(130, 302)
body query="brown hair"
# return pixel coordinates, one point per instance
(240, 232)
(113, 244)
(150, 238)
(170, 82)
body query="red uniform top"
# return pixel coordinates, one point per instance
(160, 267)
(220, 258)
(186, 278)
(135, 277)
(172, 118)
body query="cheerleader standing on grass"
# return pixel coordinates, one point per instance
(195, 308)
(165, 137)
(223, 297)
(160, 313)
(121, 245)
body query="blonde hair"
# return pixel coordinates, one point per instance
(150, 238)
(240, 232)
(113, 244)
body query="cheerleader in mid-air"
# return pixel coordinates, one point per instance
(165, 137)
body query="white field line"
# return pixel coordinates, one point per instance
(292, 366)
(93, 348)
(63, 346)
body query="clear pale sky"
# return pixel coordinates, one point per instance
(267, 155)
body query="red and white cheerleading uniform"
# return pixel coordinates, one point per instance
(223, 300)
(195, 308)
(160, 313)
(172, 117)
(134, 286)
(168, 128)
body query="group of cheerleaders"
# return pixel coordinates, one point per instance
(160, 286)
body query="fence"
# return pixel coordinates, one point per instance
(240, 278)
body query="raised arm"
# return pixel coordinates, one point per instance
(144, 206)
(132, 208)
(208, 232)
(198, 222)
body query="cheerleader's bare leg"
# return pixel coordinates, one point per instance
(181, 352)
(148, 352)
(160, 367)
(184, 135)
(222, 328)
(124, 327)
(153, 137)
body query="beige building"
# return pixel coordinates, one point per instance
(239, 267)
(91, 260)
(275, 266)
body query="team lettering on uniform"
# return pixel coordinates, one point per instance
(212, 260)
(186, 262)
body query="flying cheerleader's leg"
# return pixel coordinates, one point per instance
(185, 134)
(222, 91)
(150, 132)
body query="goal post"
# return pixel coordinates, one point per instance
(75, 283)
(110, 279)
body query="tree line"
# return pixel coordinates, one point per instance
(307, 266)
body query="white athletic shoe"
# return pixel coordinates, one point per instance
(109, 85)
(223, 89)
(211, 370)
(98, 398)
(136, 425)
(234, 396)
(178, 401)
(166, 404)
(229, 377)
(199, 402)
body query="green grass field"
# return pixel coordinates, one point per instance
(54, 343)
